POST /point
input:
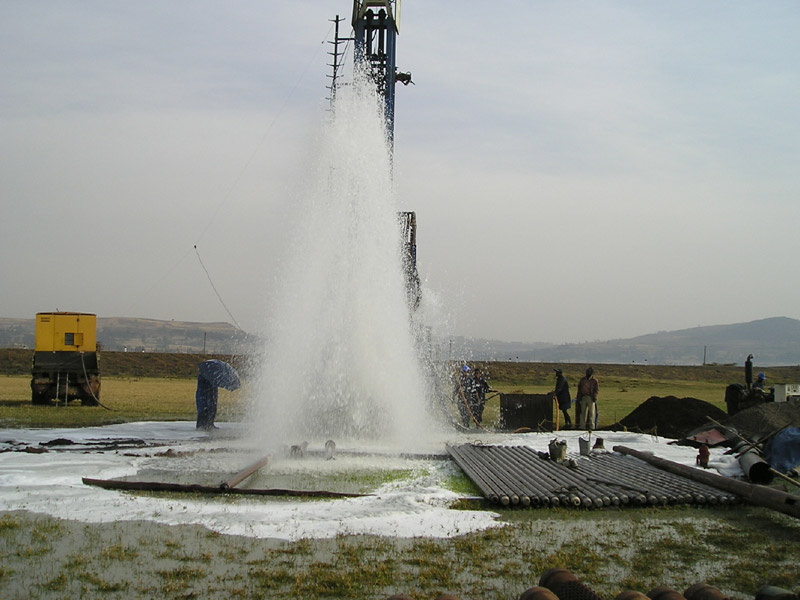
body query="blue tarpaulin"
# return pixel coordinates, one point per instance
(782, 451)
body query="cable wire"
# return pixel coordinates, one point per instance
(235, 322)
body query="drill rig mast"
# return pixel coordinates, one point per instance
(375, 38)
(375, 29)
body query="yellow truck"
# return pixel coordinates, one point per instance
(66, 364)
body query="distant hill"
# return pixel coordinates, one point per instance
(774, 341)
(125, 334)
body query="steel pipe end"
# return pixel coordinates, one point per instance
(630, 595)
(537, 593)
(663, 592)
(703, 591)
(556, 576)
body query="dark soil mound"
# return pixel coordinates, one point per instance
(762, 419)
(669, 417)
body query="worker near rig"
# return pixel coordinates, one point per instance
(562, 395)
(587, 396)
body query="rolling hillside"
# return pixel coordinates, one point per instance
(773, 342)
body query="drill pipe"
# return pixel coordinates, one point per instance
(703, 591)
(700, 491)
(566, 586)
(528, 479)
(488, 488)
(500, 477)
(244, 474)
(563, 476)
(516, 495)
(498, 462)
(651, 495)
(561, 473)
(557, 477)
(508, 493)
(659, 486)
(601, 495)
(525, 475)
(552, 476)
(755, 494)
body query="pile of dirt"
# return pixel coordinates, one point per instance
(762, 419)
(669, 417)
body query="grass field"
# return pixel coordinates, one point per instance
(168, 392)
(123, 399)
(736, 549)
(163, 399)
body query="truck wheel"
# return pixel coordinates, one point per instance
(89, 401)
(40, 398)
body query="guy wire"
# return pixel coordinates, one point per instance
(235, 322)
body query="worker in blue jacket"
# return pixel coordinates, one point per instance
(206, 399)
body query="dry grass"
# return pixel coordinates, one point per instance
(126, 399)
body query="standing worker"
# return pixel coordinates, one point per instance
(587, 395)
(462, 394)
(479, 388)
(212, 375)
(206, 400)
(563, 396)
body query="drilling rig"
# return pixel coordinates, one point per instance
(375, 30)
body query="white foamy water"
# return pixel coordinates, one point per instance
(341, 361)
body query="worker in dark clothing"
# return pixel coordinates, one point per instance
(563, 396)
(462, 393)
(587, 395)
(479, 389)
(212, 375)
(206, 399)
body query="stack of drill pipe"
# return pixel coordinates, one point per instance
(506, 480)
(525, 479)
(518, 493)
(692, 491)
(492, 489)
(539, 487)
(700, 492)
(566, 586)
(519, 472)
(598, 493)
(648, 490)
(676, 489)
(760, 495)
(478, 461)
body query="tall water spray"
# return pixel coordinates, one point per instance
(340, 361)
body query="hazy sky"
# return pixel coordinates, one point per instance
(580, 170)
